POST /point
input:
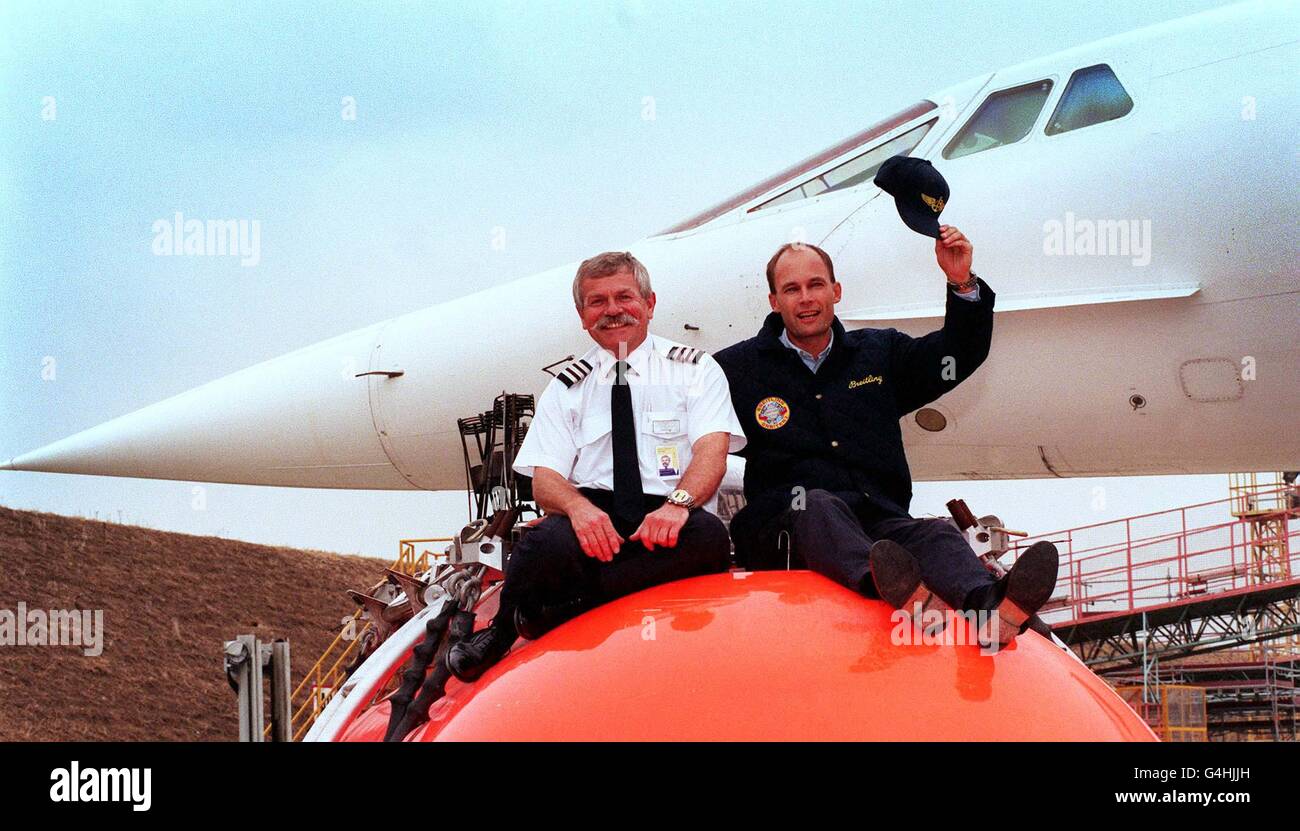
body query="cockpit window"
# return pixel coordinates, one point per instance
(1005, 117)
(793, 174)
(856, 170)
(1093, 95)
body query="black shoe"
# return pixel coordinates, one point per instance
(1037, 624)
(473, 656)
(532, 626)
(897, 577)
(1025, 589)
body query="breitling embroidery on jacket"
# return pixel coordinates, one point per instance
(870, 379)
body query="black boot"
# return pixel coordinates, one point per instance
(897, 577)
(532, 625)
(1019, 595)
(1038, 625)
(473, 656)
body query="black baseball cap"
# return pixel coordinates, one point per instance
(919, 192)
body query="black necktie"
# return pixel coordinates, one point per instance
(629, 499)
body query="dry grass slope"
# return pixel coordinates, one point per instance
(169, 602)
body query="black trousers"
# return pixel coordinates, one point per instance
(832, 534)
(549, 568)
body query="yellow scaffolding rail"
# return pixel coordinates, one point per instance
(329, 672)
(1268, 503)
(1179, 714)
(1262, 494)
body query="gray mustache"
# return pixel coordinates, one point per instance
(615, 320)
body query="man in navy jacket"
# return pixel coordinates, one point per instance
(825, 466)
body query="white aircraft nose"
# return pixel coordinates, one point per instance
(300, 420)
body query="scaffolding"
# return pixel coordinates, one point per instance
(1142, 598)
(318, 686)
(1243, 699)
(1186, 580)
(489, 443)
(1175, 713)
(1266, 502)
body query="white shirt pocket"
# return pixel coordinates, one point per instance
(593, 428)
(666, 424)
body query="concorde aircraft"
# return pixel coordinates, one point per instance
(1131, 202)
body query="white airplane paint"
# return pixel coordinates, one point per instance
(1174, 351)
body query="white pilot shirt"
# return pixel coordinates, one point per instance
(674, 404)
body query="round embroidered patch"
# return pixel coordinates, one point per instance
(772, 413)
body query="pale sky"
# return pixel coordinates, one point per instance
(521, 121)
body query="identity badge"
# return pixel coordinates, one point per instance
(666, 461)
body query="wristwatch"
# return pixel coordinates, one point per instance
(972, 283)
(681, 499)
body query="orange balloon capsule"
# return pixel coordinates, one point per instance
(779, 655)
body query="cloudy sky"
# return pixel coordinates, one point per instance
(474, 123)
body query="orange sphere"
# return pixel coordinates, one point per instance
(770, 656)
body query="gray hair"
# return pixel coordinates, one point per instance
(607, 265)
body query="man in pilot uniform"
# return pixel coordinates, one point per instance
(627, 444)
(825, 467)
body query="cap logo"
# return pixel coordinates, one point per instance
(936, 205)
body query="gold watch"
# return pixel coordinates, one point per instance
(681, 499)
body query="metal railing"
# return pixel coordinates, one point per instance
(330, 670)
(1254, 494)
(1166, 556)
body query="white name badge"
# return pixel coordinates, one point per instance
(666, 426)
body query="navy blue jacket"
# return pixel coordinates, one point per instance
(838, 429)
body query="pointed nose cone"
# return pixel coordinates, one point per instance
(301, 420)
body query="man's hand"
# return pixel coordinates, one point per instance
(953, 252)
(661, 527)
(595, 532)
